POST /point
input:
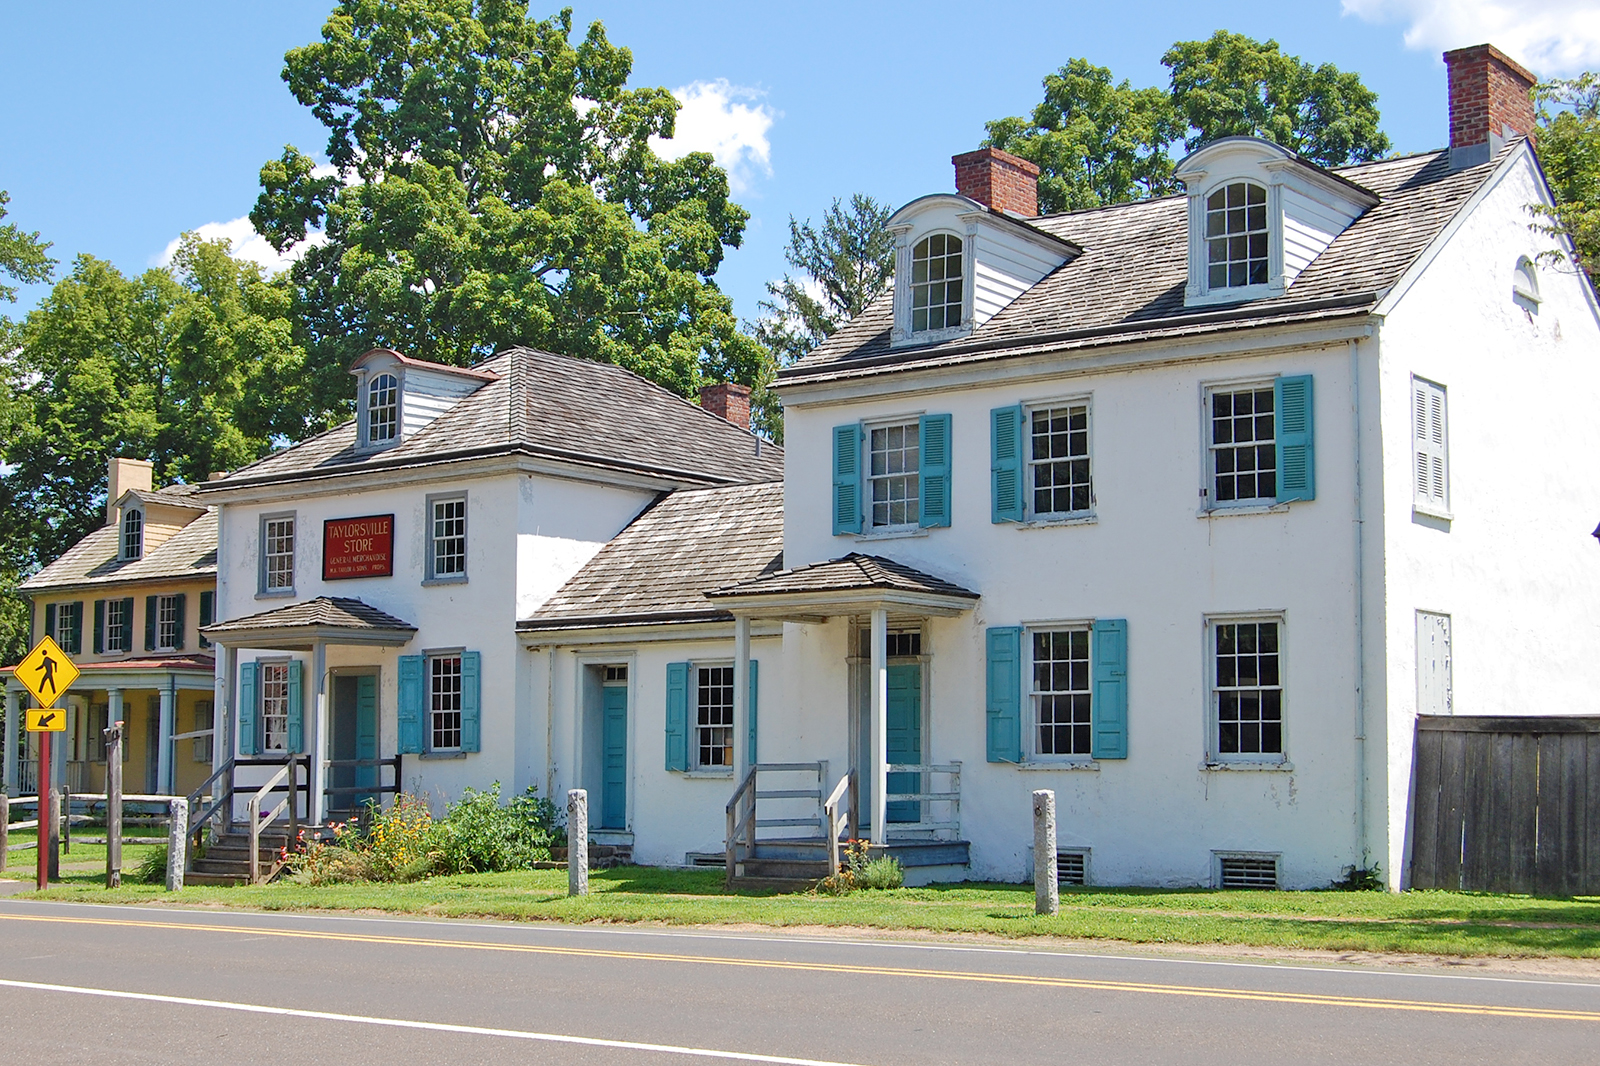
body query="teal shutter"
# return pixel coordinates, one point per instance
(76, 632)
(1297, 467)
(847, 510)
(247, 710)
(1004, 673)
(366, 734)
(296, 741)
(151, 609)
(934, 434)
(1005, 464)
(1109, 708)
(181, 612)
(208, 614)
(409, 704)
(677, 716)
(471, 700)
(99, 627)
(127, 635)
(755, 688)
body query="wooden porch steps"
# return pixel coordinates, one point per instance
(800, 864)
(227, 860)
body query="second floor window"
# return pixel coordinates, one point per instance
(383, 408)
(69, 626)
(448, 558)
(1058, 459)
(1236, 236)
(119, 625)
(133, 535)
(1244, 453)
(169, 623)
(894, 473)
(937, 296)
(277, 554)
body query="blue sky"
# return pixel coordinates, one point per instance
(122, 125)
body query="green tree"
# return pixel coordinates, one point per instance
(22, 255)
(1569, 152)
(1232, 85)
(1095, 141)
(496, 185)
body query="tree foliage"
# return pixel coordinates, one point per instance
(1569, 152)
(22, 255)
(495, 185)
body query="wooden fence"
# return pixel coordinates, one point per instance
(1507, 805)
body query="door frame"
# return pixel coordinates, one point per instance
(589, 685)
(375, 670)
(860, 702)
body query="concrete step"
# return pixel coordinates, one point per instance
(803, 850)
(773, 884)
(221, 880)
(783, 869)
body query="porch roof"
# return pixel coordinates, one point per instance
(323, 620)
(853, 584)
(188, 670)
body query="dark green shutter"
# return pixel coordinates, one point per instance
(77, 628)
(99, 627)
(208, 614)
(181, 612)
(296, 740)
(151, 610)
(247, 709)
(1109, 706)
(847, 509)
(677, 716)
(755, 673)
(471, 700)
(50, 621)
(1004, 684)
(127, 632)
(1297, 467)
(1005, 464)
(934, 437)
(409, 704)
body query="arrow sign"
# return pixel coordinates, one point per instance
(45, 721)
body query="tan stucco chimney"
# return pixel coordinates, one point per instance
(122, 475)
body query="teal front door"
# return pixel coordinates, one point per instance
(353, 739)
(904, 714)
(614, 747)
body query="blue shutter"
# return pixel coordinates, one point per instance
(1297, 467)
(1004, 724)
(1005, 464)
(127, 636)
(409, 704)
(755, 687)
(933, 432)
(247, 709)
(208, 614)
(77, 629)
(1109, 708)
(677, 716)
(296, 742)
(181, 602)
(50, 620)
(99, 627)
(847, 512)
(471, 700)
(151, 609)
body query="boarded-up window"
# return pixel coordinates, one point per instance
(1433, 664)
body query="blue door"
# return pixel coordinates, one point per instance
(904, 721)
(614, 745)
(367, 736)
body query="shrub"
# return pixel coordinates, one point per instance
(882, 872)
(1358, 880)
(859, 870)
(398, 840)
(478, 835)
(152, 869)
(330, 864)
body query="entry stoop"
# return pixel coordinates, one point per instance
(797, 865)
(227, 860)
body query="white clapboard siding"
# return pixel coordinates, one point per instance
(1006, 265)
(427, 395)
(1309, 225)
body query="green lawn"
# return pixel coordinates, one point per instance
(1444, 923)
(86, 863)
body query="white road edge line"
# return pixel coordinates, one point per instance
(438, 1027)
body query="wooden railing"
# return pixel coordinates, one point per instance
(221, 798)
(742, 821)
(362, 793)
(845, 795)
(258, 821)
(947, 801)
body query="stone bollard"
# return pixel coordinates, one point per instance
(177, 843)
(577, 842)
(1046, 890)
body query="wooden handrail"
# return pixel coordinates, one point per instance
(256, 819)
(831, 808)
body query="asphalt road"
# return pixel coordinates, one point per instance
(113, 985)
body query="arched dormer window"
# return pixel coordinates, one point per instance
(132, 534)
(383, 408)
(1236, 236)
(937, 295)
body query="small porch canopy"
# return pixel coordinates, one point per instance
(853, 585)
(311, 626)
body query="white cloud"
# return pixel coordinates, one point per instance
(247, 244)
(1550, 37)
(727, 120)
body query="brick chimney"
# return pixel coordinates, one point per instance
(1489, 103)
(729, 401)
(122, 475)
(999, 180)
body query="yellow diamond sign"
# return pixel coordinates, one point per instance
(47, 672)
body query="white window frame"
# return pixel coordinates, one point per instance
(960, 304)
(1209, 447)
(264, 717)
(1265, 231)
(204, 710)
(906, 241)
(169, 631)
(696, 763)
(1199, 289)
(64, 630)
(368, 382)
(1430, 447)
(912, 423)
(1215, 756)
(1030, 410)
(124, 621)
(1031, 745)
(130, 544)
(432, 574)
(434, 697)
(265, 573)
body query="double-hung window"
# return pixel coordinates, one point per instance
(447, 536)
(1430, 440)
(383, 409)
(68, 626)
(274, 681)
(133, 534)
(893, 474)
(1061, 695)
(1243, 446)
(169, 623)
(1058, 460)
(713, 702)
(204, 719)
(277, 555)
(444, 702)
(1236, 236)
(119, 625)
(937, 292)
(1246, 657)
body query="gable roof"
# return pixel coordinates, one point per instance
(191, 552)
(324, 612)
(848, 573)
(1128, 285)
(552, 406)
(658, 569)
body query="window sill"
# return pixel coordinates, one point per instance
(893, 534)
(432, 755)
(429, 582)
(1283, 766)
(1045, 764)
(1440, 513)
(1087, 519)
(1248, 508)
(276, 594)
(716, 775)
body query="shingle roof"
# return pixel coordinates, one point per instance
(659, 568)
(853, 571)
(1129, 282)
(189, 553)
(171, 496)
(328, 612)
(553, 406)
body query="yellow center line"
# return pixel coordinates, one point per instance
(1084, 984)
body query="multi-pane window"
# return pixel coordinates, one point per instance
(274, 679)
(133, 534)
(69, 624)
(936, 290)
(1248, 688)
(118, 626)
(444, 702)
(203, 715)
(169, 623)
(383, 408)
(1061, 691)
(449, 536)
(1058, 459)
(616, 675)
(1244, 452)
(1430, 437)
(277, 554)
(714, 715)
(895, 459)
(1236, 236)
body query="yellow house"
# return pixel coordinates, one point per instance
(126, 603)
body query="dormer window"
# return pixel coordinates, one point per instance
(1236, 236)
(132, 534)
(383, 408)
(936, 289)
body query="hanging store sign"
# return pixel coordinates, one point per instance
(358, 547)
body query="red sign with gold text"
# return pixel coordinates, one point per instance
(358, 547)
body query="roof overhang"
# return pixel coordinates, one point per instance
(819, 605)
(304, 638)
(593, 633)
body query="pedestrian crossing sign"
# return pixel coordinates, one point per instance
(47, 672)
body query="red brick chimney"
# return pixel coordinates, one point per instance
(999, 180)
(729, 401)
(1489, 103)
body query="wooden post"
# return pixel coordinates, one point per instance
(1046, 890)
(5, 827)
(114, 805)
(577, 842)
(177, 841)
(66, 821)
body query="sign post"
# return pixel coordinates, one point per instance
(46, 672)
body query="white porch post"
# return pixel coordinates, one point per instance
(741, 698)
(11, 771)
(164, 733)
(319, 732)
(114, 711)
(880, 723)
(222, 703)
